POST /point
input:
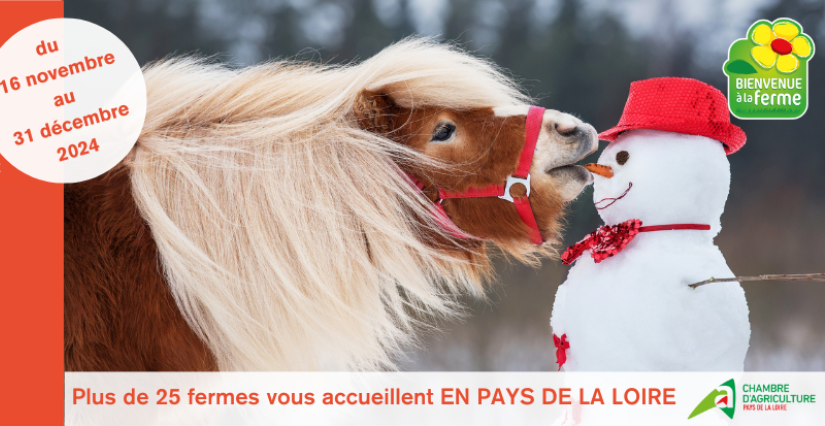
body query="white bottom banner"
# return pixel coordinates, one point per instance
(444, 398)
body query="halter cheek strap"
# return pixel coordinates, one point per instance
(532, 128)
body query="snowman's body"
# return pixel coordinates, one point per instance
(634, 311)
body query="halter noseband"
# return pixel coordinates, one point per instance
(532, 128)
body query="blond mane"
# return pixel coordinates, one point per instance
(286, 232)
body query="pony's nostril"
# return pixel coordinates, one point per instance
(568, 131)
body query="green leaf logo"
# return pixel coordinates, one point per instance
(723, 397)
(739, 67)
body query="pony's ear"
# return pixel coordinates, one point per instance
(374, 111)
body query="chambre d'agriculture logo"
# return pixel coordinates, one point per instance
(768, 71)
(724, 397)
(753, 397)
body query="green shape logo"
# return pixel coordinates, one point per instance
(723, 397)
(768, 71)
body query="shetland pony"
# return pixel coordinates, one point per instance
(265, 220)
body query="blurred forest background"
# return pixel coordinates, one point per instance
(578, 57)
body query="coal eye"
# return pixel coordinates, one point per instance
(622, 157)
(443, 132)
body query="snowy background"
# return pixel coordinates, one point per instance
(578, 57)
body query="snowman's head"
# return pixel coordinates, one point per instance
(662, 178)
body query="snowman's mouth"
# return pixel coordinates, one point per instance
(611, 201)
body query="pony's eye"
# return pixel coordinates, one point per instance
(443, 132)
(622, 157)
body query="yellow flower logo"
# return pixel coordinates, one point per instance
(782, 44)
(767, 71)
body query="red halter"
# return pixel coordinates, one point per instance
(532, 128)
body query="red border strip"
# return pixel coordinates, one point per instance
(31, 272)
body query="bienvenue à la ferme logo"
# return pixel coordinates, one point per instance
(768, 71)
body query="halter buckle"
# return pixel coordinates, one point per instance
(512, 180)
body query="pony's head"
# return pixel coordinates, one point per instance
(480, 148)
(287, 228)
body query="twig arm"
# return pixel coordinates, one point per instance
(768, 277)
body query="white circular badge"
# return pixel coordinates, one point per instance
(72, 100)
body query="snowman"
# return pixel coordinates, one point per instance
(660, 186)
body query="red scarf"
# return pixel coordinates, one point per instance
(607, 241)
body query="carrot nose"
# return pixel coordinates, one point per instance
(599, 169)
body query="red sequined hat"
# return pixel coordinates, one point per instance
(679, 105)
